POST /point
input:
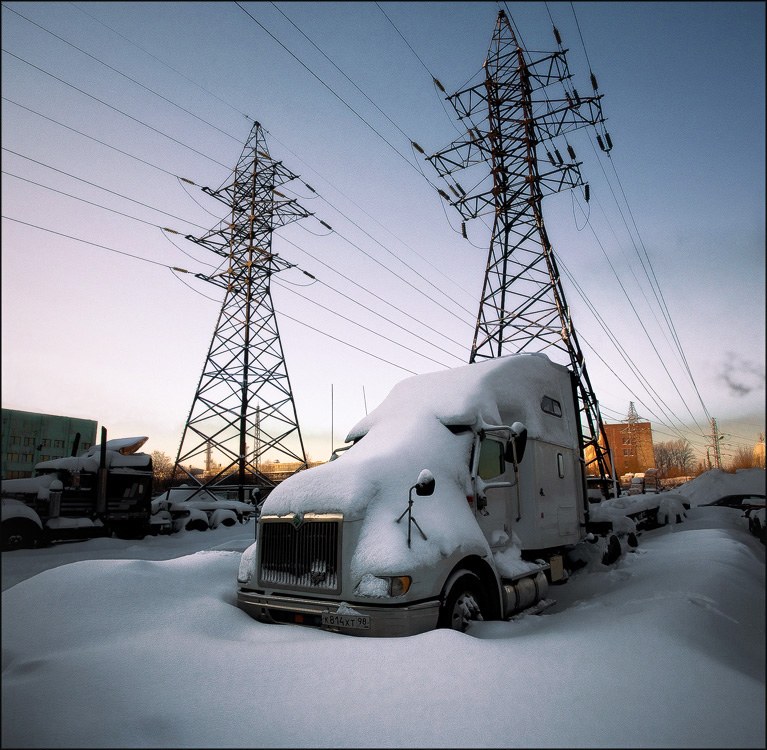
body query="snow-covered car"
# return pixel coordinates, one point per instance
(756, 522)
(191, 508)
(738, 501)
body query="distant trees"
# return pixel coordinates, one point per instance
(743, 458)
(674, 458)
(163, 471)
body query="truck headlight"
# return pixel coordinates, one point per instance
(247, 564)
(383, 586)
(398, 585)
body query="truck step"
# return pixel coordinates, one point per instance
(536, 609)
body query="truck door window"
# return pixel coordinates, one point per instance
(491, 463)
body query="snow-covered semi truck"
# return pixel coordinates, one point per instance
(458, 498)
(107, 489)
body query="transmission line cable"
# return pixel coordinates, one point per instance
(95, 244)
(125, 114)
(182, 270)
(434, 79)
(656, 286)
(93, 184)
(627, 359)
(340, 98)
(170, 67)
(85, 135)
(124, 75)
(356, 323)
(378, 297)
(215, 127)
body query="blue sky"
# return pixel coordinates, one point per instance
(90, 333)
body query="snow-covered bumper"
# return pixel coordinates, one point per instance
(355, 619)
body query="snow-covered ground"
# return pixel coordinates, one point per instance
(109, 643)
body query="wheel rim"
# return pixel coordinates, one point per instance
(15, 541)
(465, 610)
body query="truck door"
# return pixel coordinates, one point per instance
(557, 495)
(492, 467)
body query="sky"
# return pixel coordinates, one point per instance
(114, 335)
(148, 649)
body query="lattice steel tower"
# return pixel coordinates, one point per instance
(243, 406)
(508, 117)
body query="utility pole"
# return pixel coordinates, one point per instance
(508, 116)
(243, 405)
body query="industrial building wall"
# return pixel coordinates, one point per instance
(29, 437)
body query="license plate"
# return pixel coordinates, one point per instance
(355, 622)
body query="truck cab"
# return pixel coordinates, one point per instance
(456, 500)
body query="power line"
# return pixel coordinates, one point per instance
(119, 111)
(93, 184)
(85, 135)
(661, 301)
(154, 92)
(95, 244)
(338, 96)
(364, 328)
(124, 75)
(376, 296)
(374, 312)
(170, 67)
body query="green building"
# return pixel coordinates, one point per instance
(29, 437)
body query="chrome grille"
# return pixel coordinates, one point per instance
(307, 557)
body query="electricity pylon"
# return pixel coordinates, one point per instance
(508, 116)
(715, 444)
(243, 405)
(632, 439)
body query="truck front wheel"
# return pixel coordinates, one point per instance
(463, 603)
(18, 533)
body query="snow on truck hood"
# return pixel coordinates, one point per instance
(406, 434)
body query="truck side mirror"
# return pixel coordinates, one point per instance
(425, 484)
(515, 448)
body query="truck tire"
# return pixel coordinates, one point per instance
(613, 551)
(463, 603)
(131, 529)
(18, 533)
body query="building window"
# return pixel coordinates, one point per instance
(27, 457)
(58, 443)
(29, 441)
(15, 440)
(44, 458)
(46, 443)
(625, 451)
(85, 446)
(13, 456)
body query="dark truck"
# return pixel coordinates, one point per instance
(108, 489)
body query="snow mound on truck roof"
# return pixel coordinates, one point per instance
(507, 389)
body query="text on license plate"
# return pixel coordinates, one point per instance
(356, 622)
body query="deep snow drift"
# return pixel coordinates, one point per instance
(665, 648)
